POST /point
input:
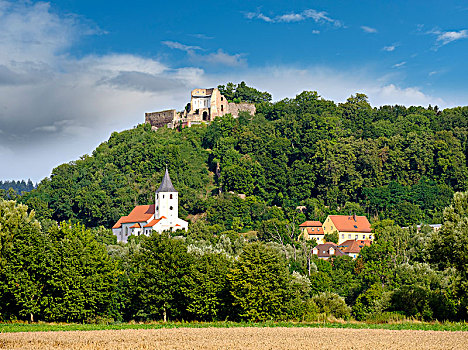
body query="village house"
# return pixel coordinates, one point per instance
(312, 230)
(327, 250)
(353, 248)
(348, 227)
(159, 217)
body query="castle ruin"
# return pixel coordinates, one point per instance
(205, 105)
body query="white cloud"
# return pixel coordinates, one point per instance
(369, 29)
(219, 57)
(201, 36)
(179, 46)
(448, 37)
(316, 32)
(399, 65)
(389, 48)
(317, 16)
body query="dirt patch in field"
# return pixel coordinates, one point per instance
(236, 338)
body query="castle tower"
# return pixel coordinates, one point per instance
(167, 200)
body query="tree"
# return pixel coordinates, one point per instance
(23, 260)
(449, 247)
(259, 284)
(157, 279)
(206, 288)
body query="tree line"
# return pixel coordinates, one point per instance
(53, 271)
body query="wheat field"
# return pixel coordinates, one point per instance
(236, 338)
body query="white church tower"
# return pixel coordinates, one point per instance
(145, 219)
(167, 201)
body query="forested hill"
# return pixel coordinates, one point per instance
(388, 162)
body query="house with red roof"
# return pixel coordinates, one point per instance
(159, 217)
(312, 230)
(348, 227)
(353, 247)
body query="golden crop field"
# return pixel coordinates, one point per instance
(237, 338)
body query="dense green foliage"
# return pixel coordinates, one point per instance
(64, 273)
(240, 181)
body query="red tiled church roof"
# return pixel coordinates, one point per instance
(345, 223)
(139, 213)
(118, 224)
(154, 221)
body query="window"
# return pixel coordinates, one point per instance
(222, 108)
(312, 228)
(163, 196)
(342, 236)
(349, 236)
(221, 100)
(318, 228)
(157, 207)
(157, 196)
(170, 196)
(170, 208)
(355, 226)
(363, 236)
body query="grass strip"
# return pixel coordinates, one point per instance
(406, 325)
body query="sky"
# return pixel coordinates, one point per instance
(74, 71)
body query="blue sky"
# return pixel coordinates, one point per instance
(71, 72)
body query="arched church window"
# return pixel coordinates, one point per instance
(163, 196)
(170, 196)
(157, 196)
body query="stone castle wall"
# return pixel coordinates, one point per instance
(235, 108)
(160, 119)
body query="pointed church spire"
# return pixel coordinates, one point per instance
(166, 184)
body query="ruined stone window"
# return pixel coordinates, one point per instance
(222, 108)
(221, 100)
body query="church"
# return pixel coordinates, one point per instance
(161, 216)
